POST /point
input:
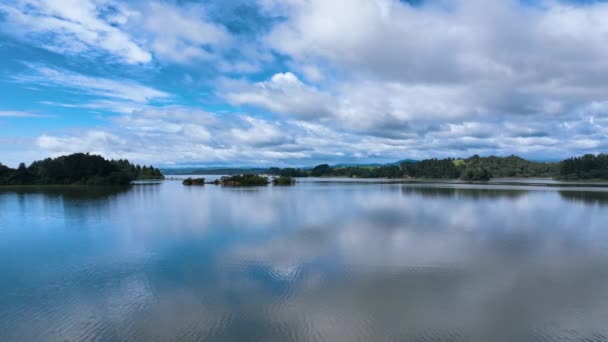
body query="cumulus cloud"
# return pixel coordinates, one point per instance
(443, 70)
(91, 141)
(283, 93)
(309, 81)
(182, 35)
(446, 41)
(506, 52)
(182, 135)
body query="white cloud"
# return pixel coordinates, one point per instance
(93, 141)
(177, 134)
(258, 133)
(486, 77)
(73, 27)
(445, 41)
(181, 34)
(18, 114)
(501, 57)
(117, 89)
(131, 33)
(181, 135)
(368, 79)
(364, 107)
(284, 93)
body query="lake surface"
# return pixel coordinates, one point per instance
(319, 261)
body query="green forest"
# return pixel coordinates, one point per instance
(478, 168)
(588, 166)
(474, 168)
(77, 169)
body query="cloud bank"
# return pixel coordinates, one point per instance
(299, 82)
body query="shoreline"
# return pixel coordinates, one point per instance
(500, 182)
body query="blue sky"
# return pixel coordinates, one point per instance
(299, 82)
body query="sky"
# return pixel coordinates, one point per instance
(302, 82)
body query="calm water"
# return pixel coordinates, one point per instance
(320, 261)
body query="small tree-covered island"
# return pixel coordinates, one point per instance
(77, 169)
(242, 180)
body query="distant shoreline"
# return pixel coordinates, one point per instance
(498, 182)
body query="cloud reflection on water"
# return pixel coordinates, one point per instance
(339, 262)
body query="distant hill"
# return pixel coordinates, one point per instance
(260, 170)
(212, 171)
(372, 164)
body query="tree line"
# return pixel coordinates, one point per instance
(474, 168)
(78, 168)
(324, 170)
(478, 168)
(588, 166)
(87, 169)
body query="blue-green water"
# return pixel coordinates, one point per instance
(320, 261)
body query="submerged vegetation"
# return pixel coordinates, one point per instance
(77, 169)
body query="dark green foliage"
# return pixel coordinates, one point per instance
(321, 170)
(149, 172)
(5, 173)
(288, 172)
(511, 166)
(475, 174)
(138, 172)
(324, 170)
(78, 168)
(194, 181)
(387, 171)
(243, 180)
(283, 180)
(478, 168)
(21, 176)
(431, 168)
(588, 166)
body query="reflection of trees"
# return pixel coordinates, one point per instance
(77, 206)
(470, 193)
(69, 192)
(587, 197)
